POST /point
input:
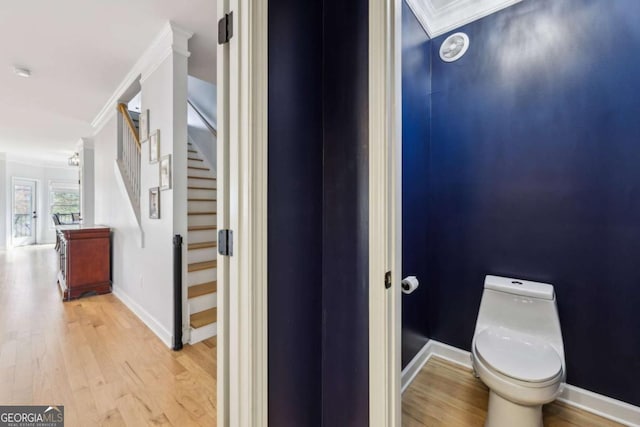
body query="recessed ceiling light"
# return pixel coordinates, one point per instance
(22, 72)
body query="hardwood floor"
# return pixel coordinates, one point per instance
(446, 394)
(93, 355)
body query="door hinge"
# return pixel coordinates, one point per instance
(225, 242)
(387, 280)
(225, 28)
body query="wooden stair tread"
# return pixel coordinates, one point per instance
(199, 266)
(201, 177)
(201, 188)
(195, 159)
(191, 151)
(202, 245)
(203, 318)
(202, 213)
(198, 168)
(202, 289)
(201, 227)
(201, 200)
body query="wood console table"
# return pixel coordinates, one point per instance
(85, 259)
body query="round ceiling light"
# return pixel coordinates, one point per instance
(454, 47)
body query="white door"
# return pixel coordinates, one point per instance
(24, 215)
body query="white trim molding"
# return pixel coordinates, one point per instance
(242, 207)
(172, 39)
(606, 407)
(385, 216)
(165, 336)
(438, 18)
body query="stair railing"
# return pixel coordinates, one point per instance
(202, 118)
(129, 154)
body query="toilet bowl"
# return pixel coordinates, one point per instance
(517, 350)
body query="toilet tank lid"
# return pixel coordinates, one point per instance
(519, 287)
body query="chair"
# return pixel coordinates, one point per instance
(75, 217)
(56, 221)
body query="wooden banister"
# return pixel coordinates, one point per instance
(125, 113)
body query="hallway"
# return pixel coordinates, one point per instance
(93, 355)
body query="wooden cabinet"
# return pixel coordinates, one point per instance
(85, 260)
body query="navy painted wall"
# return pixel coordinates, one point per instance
(535, 173)
(345, 297)
(416, 116)
(318, 213)
(295, 213)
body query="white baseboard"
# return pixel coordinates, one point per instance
(165, 336)
(615, 410)
(612, 409)
(415, 365)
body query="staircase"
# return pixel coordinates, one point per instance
(201, 248)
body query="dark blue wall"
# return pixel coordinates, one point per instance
(534, 172)
(345, 296)
(318, 213)
(295, 213)
(416, 116)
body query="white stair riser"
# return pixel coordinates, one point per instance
(202, 303)
(201, 255)
(202, 236)
(202, 276)
(195, 163)
(206, 183)
(203, 194)
(202, 220)
(199, 172)
(200, 206)
(203, 333)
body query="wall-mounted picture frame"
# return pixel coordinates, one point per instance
(165, 172)
(154, 146)
(144, 125)
(154, 203)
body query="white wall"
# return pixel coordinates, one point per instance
(3, 201)
(43, 175)
(143, 276)
(87, 193)
(203, 95)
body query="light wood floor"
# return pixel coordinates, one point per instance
(93, 355)
(446, 394)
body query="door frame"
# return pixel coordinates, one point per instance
(242, 207)
(36, 208)
(385, 212)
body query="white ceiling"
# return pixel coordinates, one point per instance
(78, 52)
(441, 16)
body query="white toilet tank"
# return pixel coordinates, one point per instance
(520, 305)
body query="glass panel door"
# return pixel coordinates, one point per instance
(24, 213)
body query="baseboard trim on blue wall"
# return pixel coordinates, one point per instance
(612, 409)
(415, 365)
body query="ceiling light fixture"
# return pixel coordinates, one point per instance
(22, 72)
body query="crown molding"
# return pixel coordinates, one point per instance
(172, 39)
(440, 20)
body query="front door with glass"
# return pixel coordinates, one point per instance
(24, 216)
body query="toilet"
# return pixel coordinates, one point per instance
(517, 350)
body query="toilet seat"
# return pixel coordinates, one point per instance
(523, 358)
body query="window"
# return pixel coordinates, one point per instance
(64, 200)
